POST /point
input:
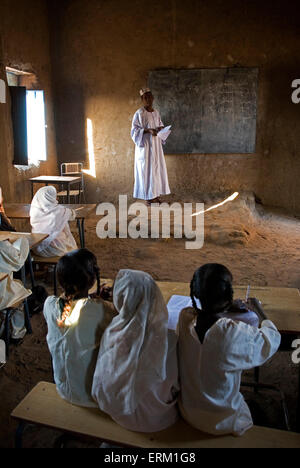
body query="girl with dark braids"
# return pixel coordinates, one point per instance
(216, 343)
(76, 322)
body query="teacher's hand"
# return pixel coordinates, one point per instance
(153, 131)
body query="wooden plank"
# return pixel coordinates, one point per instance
(281, 305)
(22, 210)
(43, 406)
(33, 239)
(55, 179)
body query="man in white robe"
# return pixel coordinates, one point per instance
(151, 178)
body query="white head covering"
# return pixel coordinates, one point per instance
(133, 350)
(144, 90)
(46, 215)
(12, 258)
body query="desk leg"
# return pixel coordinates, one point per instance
(27, 317)
(80, 226)
(298, 402)
(19, 434)
(7, 331)
(29, 261)
(26, 308)
(82, 233)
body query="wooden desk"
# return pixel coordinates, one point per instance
(281, 305)
(56, 180)
(33, 239)
(21, 211)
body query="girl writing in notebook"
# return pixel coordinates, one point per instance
(214, 347)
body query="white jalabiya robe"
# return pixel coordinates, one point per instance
(48, 217)
(210, 373)
(151, 178)
(136, 376)
(12, 258)
(74, 348)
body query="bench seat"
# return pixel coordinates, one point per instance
(43, 406)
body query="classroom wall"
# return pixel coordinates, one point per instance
(102, 52)
(24, 44)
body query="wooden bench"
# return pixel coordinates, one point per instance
(43, 406)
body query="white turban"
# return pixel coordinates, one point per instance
(144, 90)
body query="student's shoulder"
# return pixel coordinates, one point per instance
(50, 300)
(228, 326)
(232, 330)
(50, 305)
(187, 315)
(97, 304)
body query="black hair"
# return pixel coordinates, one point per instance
(77, 271)
(212, 285)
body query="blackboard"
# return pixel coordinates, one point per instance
(210, 110)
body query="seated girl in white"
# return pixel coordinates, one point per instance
(76, 323)
(48, 217)
(214, 350)
(12, 292)
(135, 380)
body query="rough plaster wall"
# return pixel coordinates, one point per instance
(25, 44)
(103, 50)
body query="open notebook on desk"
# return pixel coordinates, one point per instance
(175, 306)
(252, 315)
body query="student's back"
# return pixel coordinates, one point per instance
(213, 352)
(136, 376)
(76, 323)
(74, 348)
(210, 372)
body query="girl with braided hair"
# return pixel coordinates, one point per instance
(216, 343)
(76, 322)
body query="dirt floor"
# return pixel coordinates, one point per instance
(259, 245)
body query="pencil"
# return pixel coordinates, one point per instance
(247, 293)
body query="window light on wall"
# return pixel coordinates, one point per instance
(28, 114)
(36, 127)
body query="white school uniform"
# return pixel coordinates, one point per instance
(150, 171)
(136, 376)
(74, 348)
(48, 217)
(12, 258)
(210, 372)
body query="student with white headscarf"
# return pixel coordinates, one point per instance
(48, 217)
(136, 376)
(12, 292)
